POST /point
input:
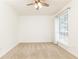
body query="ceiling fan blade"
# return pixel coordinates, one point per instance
(30, 4)
(45, 4)
(38, 0)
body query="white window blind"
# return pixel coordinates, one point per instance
(63, 24)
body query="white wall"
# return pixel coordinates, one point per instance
(8, 28)
(56, 30)
(35, 29)
(72, 41)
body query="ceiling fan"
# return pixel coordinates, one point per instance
(38, 4)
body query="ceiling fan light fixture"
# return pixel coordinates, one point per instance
(36, 5)
(40, 5)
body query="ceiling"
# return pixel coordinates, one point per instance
(22, 9)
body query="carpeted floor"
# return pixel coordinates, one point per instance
(38, 51)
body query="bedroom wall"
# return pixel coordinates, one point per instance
(8, 28)
(35, 29)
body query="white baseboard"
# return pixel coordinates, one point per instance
(35, 42)
(67, 49)
(3, 52)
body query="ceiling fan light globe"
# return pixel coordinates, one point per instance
(40, 5)
(36, 5)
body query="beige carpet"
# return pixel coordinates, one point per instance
(37, 51)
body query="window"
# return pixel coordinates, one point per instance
(63, 24)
